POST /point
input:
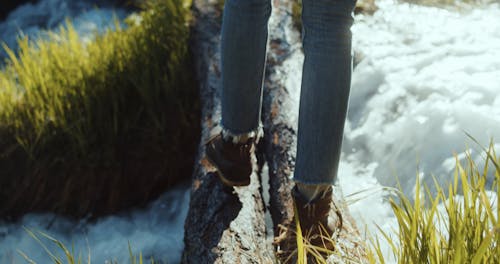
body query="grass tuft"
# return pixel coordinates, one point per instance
(459, 224)
(106, 116)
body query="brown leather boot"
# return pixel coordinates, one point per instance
(313, 218)
(233, 160)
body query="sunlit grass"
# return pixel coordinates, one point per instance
(78, 92)
(85, 108)
(458, 224)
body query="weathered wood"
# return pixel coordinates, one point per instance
(221, 227)
(280, 113)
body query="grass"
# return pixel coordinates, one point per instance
(102, 116)
(69, 256)
(459, 224)
(67, 87)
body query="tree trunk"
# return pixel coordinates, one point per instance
(229, 228)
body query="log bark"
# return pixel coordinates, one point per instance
(224, 227)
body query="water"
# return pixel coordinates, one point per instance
(155, 231)
(427, 76)
(32, 19)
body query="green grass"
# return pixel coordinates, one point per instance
(464, 230)
(62, 87)
(76, 116)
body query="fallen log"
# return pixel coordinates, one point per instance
(225, 227)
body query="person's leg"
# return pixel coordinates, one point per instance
(243, 56)
(325, 91)
(324, 96)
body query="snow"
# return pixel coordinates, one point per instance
(155, 231)
(428, 76)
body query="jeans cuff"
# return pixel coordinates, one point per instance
(255, 134)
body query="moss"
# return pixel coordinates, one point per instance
(94, 127)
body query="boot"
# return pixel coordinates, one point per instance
(313, 219)
(233, 161)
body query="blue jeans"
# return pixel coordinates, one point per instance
(326, 78)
